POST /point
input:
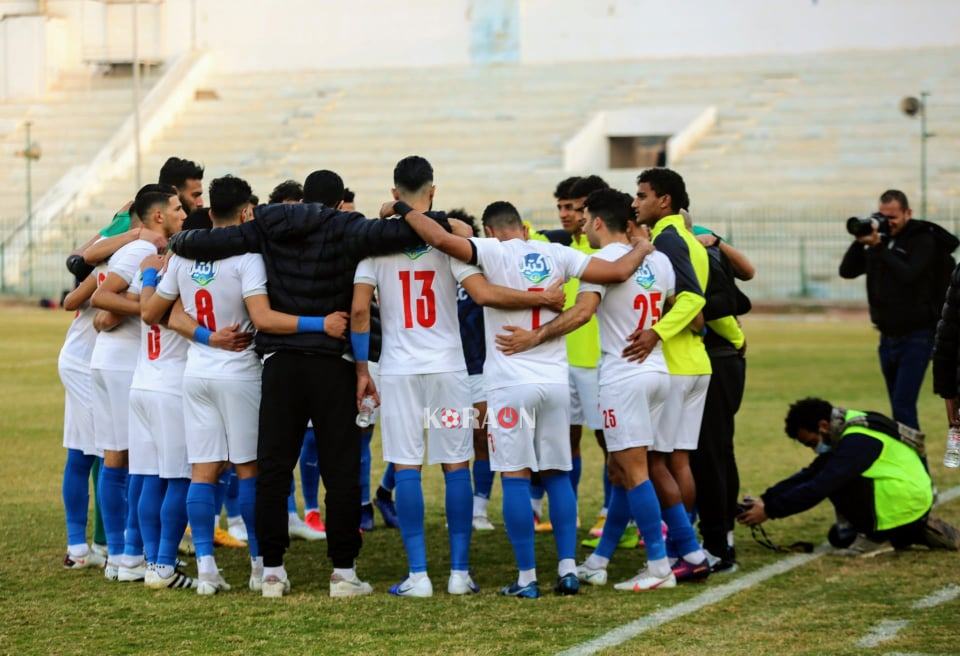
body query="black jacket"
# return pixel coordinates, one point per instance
(901, 278)
(946, 346)
(724, 299)
(310, 253)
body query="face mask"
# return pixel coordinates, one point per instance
(822, 448)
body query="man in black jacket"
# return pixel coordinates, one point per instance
(311, 253)
(902, 275)
(946, 352)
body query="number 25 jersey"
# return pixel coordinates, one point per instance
(213, 294)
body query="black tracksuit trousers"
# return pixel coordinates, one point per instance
(296, 387)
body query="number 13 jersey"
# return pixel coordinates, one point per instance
(525, 265)
(418, 310)
(213, 295)
(638, 302)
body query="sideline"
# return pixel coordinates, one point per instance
(643, 624)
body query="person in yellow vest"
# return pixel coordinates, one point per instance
(872, 478)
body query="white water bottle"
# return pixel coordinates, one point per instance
(365, 416)
(951, 458)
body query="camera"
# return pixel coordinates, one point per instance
(861, 227)
(744, 506)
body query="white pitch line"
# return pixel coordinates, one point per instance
(941, 596)
(882, 632)
(711, 596)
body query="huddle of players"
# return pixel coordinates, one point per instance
(175, 408)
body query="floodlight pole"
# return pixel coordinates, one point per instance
(28, 158)
(924, 135)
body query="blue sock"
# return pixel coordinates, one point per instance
(292, 499)
(680, 530)
(518, 519)
(113, 506)
(536, 491)
(575, 474)
(247, 500)
(645, 509)
(607, 487)
(151, 499)
(482, 478)
(76, 495)
(563, 514)
(389, 480)
(459, 517)
(132, 540)
(173, 520)
(202, 511)
(409, 498)
(309, 472)
(221, 491)
(366, 459)
(618, 515)
(230, 498)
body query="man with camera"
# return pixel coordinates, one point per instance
(907, 264)
(869, 467)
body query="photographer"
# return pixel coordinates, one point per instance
(868, 471)
(906, 277)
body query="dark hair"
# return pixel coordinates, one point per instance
(583, 187)
(562, 192)
(466, 217)
(807, 414)
(198, 219)
(891, 195)
(412, 174)
(286, 190)
(501, 214)
(665, 181)
(348, 195)
(323, 187)
(176, 172)
(151, 195)
(613, 207)
(227, 195)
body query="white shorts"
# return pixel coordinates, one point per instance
(111, 398)
(585, 397)
(632, 409)
(413, 402)
(478, 390)
(682, 414)
(158, 444)
(78, 432)
(529, 427)
(222, 418)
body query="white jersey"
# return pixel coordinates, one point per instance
(117, 349)
(80, 340)
(418, 310)
(531, 266)
(163, 354)
(638, 302)
(212, 294)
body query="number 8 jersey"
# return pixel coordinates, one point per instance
(638, 302)
(212, 294)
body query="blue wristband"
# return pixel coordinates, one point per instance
(149, 277)
(310, 324)
(361, 346)
(202, 335)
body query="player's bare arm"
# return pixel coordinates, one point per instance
(432, 233)
(101, 250)
(519, 339)
(484, 293)
(111, 296)
(81, 294)
(269, 320)
(360, 339)
(603, 272)
(228, 338)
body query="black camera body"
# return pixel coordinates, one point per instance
(744, 506)
(861, 227)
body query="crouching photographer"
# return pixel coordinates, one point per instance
(908, 266)
(870, 469)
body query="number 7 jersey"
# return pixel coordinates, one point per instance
(418, 310)
(635, 303)
(213, 294)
